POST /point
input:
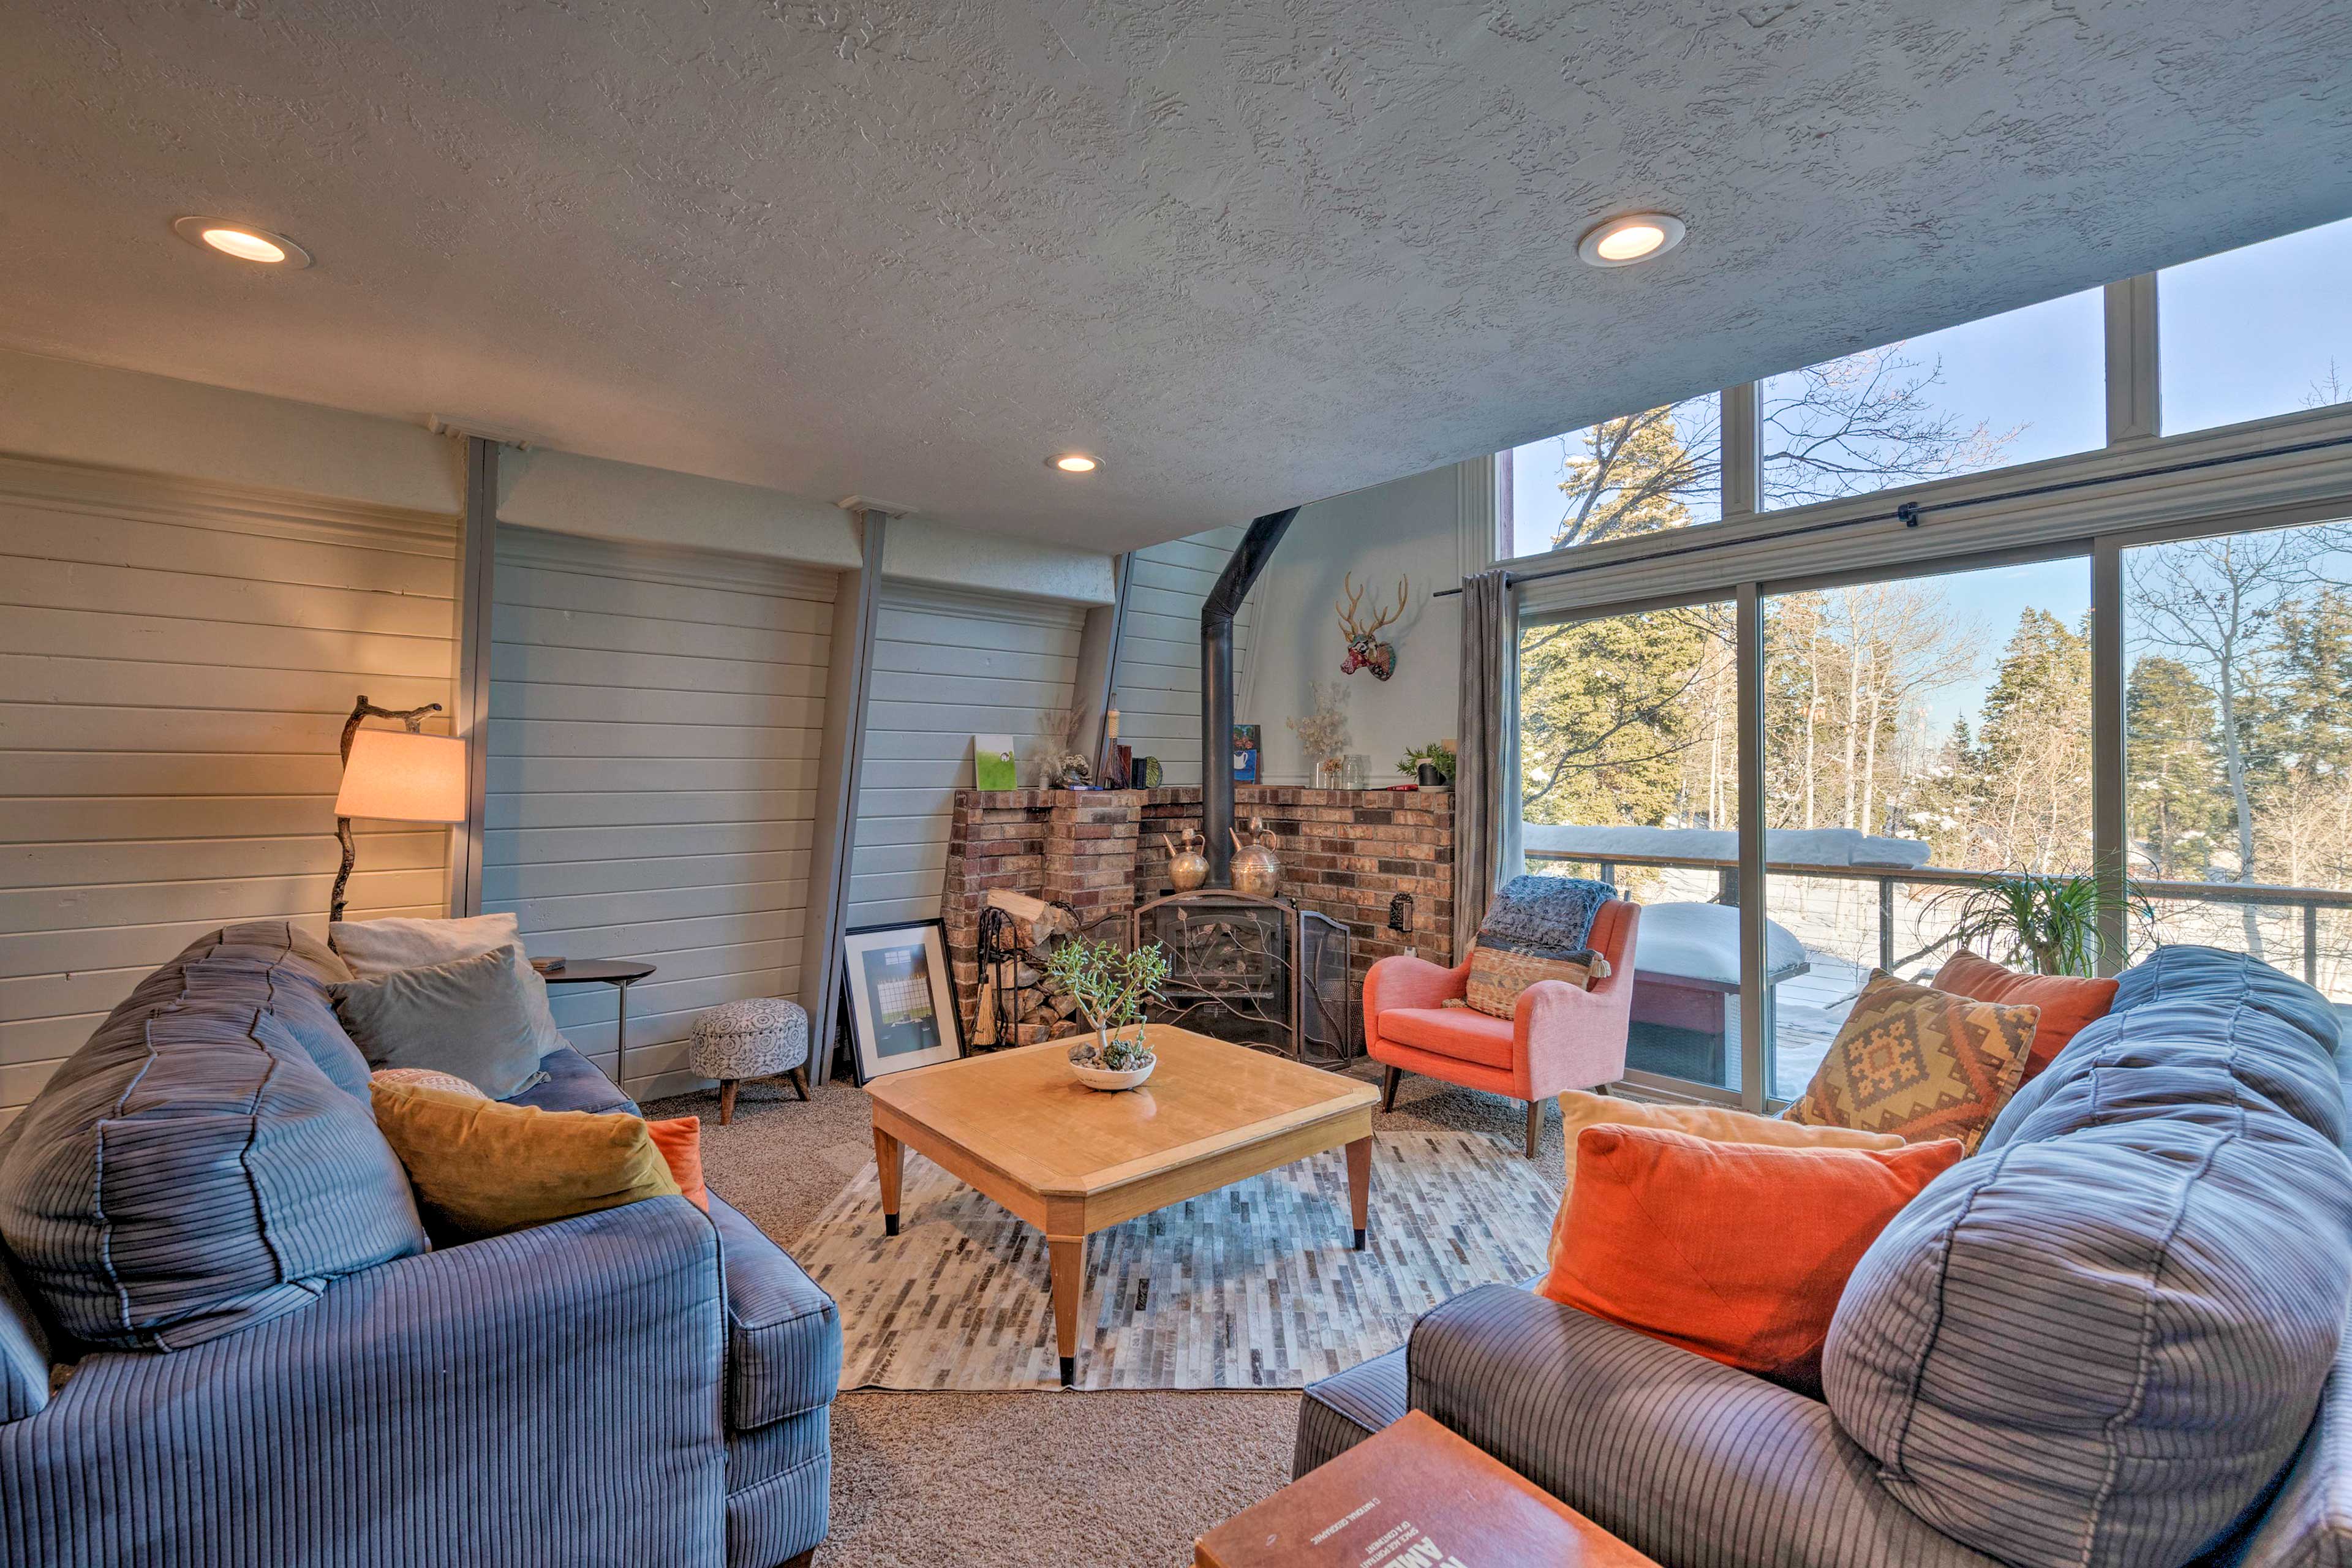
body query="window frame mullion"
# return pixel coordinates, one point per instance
(2134, 388)
(1747, 656)
(2110, 831)
(1739, 420)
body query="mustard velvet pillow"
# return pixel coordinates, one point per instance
(1717, 1124)
(481, 1167)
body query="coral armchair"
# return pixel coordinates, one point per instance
(1559, 1037)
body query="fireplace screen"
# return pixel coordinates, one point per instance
(1257, 971)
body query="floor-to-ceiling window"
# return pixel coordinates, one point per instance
(2052, 612)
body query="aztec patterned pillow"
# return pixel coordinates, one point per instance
(1919, 1063)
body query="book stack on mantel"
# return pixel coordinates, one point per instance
(1413, 1495)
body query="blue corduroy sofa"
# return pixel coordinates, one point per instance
(226, 1341)
(2112, 1337)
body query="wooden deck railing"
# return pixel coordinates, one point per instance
(2309, 901)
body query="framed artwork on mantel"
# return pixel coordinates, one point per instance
(902, 1007)
(993, 764)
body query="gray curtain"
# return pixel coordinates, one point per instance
(1485, 780)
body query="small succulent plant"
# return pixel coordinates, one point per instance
(1120, 1055)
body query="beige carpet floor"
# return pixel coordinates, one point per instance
(1075, 1480)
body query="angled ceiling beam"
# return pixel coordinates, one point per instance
(849, 673)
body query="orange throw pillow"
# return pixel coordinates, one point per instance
(2067, 1003)
(1737, 1251)
(1715, 1124)
(678, 1140)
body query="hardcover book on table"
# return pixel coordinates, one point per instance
(1413, 1495)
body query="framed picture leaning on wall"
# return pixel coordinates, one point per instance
(902, 1007)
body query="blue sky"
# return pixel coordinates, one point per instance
(2245, 334)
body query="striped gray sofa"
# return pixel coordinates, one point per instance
(2114, 1336)
(226, 1341)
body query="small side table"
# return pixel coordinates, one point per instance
(620, 973)
(1411, 1485)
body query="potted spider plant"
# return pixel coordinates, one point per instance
(2048, 923)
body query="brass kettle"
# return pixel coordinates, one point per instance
(1187, 867)
(1255, 871)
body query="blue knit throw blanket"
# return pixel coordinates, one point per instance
(1546, 917)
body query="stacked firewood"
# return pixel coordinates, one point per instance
(1046, 1012)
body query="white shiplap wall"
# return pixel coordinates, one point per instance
(948, 665)
(176, 662)
(655, 721)
(1157, 677)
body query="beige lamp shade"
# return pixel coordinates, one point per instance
(395, 777)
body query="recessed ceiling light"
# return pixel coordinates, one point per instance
(241, 240)
(1636, 236)
(1073, 463)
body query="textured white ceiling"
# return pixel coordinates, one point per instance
(1249, 254)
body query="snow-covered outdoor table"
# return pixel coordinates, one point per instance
(1700, 943)
(1686, 975)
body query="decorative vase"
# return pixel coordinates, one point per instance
(1187, 867)
(1430, 776)
(1255, 871)
(1331, 772)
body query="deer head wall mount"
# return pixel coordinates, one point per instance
(1364, 650)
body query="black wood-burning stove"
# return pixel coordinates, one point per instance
(1257, 971)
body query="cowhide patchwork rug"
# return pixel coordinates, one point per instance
(1254, 1286)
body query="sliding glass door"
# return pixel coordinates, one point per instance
(1926, 743)
(2237, 654)
(1929, 756)
(1629, 768)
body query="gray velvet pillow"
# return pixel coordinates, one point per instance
(484, 1018)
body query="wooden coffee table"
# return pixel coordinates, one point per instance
(1071, 1161)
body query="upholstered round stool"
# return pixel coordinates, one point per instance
(762, 1037)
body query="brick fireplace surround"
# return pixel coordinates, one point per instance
(1345, 854)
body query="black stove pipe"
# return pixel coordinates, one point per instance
(1217, 612)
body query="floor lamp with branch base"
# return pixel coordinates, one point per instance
(395, 775)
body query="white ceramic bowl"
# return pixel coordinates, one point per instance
(1106, 1080)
